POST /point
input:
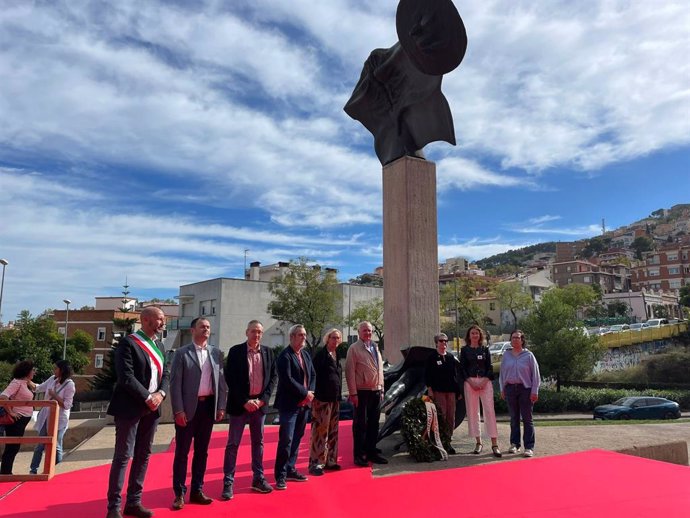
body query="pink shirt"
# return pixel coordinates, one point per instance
(256, 371)
(19, 390)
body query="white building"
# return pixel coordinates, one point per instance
(229, 304)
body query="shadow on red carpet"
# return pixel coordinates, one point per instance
(579, 485)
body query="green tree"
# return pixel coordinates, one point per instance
(367, 279)
(513, 297)
(371, 311)
(562, 349)
(618, 308)
(660, 311)
(458, 295)
(642, 244)
(305, 295)
(685, 296)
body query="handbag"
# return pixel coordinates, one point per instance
(6, 418)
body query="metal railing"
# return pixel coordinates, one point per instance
(49, 440)
(650, 334)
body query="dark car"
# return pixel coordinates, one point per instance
(639, 407)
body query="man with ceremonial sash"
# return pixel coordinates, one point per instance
(142, 383)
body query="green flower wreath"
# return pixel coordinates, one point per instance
(413, 427)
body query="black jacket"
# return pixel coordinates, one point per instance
(237, 378)
(442, 373)
(476, 362)
(329, 377)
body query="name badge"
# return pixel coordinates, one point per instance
(480, 357)
(439, 362)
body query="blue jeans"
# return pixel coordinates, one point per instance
(38, 450)
(292, 425)
(235, 431)
(520, 405)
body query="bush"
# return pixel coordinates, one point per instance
(577, 399)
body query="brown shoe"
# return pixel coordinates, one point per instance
(138, 511)
(178, 503)
(198, 497)
(113, 513)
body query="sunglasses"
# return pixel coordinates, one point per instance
(443, 340)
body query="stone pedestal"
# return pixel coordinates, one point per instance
(410, 255)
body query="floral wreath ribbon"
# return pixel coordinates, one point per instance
(432, 428)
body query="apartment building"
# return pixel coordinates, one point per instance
(666, 269)
(610, 278)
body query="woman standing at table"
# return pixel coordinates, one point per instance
(58, 387)
(20, 388)
(475, 361)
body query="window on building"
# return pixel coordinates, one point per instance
(675, 270)
(98, 361)
(674, 284)
(654, 272)
(100, 336)
(207, 307)
(672, 257)
(567, 269)
(492, 306)
(61, 330)
(587, 279)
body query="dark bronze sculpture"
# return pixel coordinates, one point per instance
(398, 97)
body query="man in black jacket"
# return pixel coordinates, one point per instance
(251, 375)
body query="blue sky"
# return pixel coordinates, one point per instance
(158, 140)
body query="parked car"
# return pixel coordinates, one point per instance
(617, 328)
(639, 326)
(639, 407)
(657, 322)
(498, 348)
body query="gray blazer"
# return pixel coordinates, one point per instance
(185, 376)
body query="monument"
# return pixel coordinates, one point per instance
(398, 99)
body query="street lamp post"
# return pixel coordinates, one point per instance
(64, 344)
(455, 294)
(4, 263)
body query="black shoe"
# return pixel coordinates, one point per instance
(178, 503)
(296, 476)
(497, 452)
(478, 448)
(361, 462)
(317, 471)
(261, 486)
(198, 497)
(113, 513)
(451, 450)
(377, 459)
(138, 511)
(281, 485)
(332, 467)
(227, 493)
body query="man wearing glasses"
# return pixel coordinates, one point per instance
(442, 381)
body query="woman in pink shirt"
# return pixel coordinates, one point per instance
(20, 388)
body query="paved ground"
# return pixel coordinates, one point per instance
(551, 440)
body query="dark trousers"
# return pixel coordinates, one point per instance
(12, 430)
(292, 425)
(365, 425)
(199, 430)
(256, 421)
(133, 438)
(520, 405)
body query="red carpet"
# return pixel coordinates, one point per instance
(588, 484)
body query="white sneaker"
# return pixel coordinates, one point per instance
(514, 448)
(529, 453)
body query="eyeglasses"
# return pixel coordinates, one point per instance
(516, 337)
(443, 340)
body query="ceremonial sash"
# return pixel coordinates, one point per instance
(151, 349)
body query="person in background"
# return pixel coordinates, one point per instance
(323, 450)
(59, 387)
(475, 361)
(519, 380)
(20, 388)
(441, 378)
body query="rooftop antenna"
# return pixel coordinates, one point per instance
(603, 226)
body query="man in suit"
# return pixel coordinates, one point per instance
(296, 383)
(142, 383)
(198, 394)
(251, 375)
(364, 375)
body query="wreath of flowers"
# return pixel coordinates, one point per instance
(413, 429)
